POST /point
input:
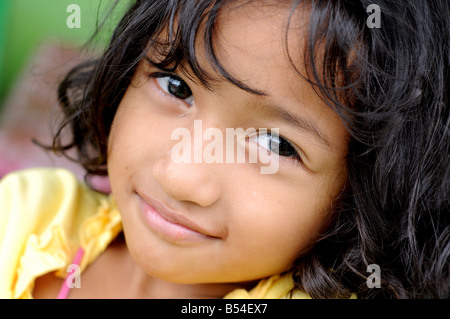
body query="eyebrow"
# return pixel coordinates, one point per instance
(292, 119)
(296, 121)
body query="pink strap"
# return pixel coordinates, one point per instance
(65, 288)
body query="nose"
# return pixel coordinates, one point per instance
(191, 182)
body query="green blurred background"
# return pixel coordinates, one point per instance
(25, 24)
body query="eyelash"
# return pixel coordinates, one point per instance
(295, 157)
(159, 75)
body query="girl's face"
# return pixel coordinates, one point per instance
(227, 222)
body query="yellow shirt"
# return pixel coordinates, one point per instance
(47, 214)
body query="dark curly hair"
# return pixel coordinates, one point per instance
(390, 86)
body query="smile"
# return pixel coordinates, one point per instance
(170, 225)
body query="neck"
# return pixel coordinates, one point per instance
(155, 288)
(129, 280)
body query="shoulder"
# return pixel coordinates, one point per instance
(47, 188)
(41, 211)
(279, 286)
(36, 186)
(33, 198)
(275, 287)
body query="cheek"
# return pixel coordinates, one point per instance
(275, 224)
(137, 133)
(127, 143)
(121, 129)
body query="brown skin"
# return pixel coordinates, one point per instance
(259, 223)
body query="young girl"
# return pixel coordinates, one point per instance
(358, 205)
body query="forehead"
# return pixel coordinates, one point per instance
(258, 41)
(266, 32)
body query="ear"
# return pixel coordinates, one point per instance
(100, 183)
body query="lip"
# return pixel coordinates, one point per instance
(171, 225)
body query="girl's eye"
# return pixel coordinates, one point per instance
(278, 145)
(176, 87)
